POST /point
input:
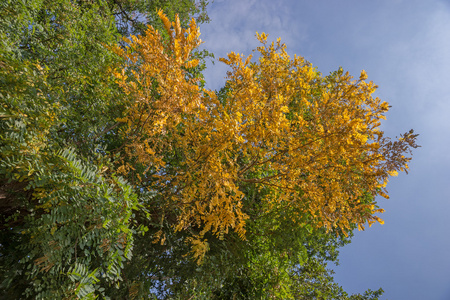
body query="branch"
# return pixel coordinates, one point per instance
(106, 130)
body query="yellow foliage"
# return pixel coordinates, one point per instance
(313, 139)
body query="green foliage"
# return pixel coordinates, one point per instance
(66, 223)
(133, 16)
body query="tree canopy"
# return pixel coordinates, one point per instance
(123, 177)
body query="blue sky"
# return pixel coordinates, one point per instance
(404, 45)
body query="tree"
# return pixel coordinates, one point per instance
(122, 177)
(312, 143)
(281, 154)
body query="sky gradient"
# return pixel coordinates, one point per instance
(404, 46)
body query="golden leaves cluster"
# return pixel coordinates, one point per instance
(314, 140)
(317, 139)
(169, 116)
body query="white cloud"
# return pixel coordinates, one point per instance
(234, 25)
